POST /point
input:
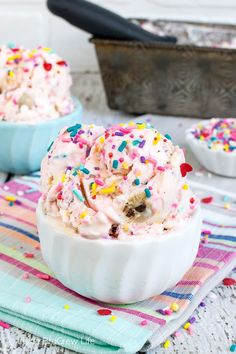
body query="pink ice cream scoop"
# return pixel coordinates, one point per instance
(124, 182)
(34, 85)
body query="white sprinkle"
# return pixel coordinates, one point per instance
(212, 295)
(199, 174)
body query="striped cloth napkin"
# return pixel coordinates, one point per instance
(31, 297)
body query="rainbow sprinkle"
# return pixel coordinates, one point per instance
(122, 146)
(78, 195)
(137, 181)
(148, 192)
(115, 164)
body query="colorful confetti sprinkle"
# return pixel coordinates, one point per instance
(229, 281)
(147, 192)
(4, 325)
(207, 200)
(104, 312)
(185, 168)
(43, 276)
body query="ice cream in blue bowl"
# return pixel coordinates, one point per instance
(35, 103)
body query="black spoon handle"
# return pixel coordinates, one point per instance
(100, 22)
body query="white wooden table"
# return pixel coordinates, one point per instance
(215, 329)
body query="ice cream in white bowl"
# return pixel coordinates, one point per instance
(117, 220)
(213, 142)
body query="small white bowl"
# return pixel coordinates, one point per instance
(218, 162)
(118, 271)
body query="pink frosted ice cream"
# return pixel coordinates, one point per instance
(34, 85)
(126, 181)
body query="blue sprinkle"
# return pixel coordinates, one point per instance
(74, 128)
(122, 146)
(148, 193)
(226, 198)
(115, 164)
(137, 181)
(78, 195)
(168, 137)
(49, 148)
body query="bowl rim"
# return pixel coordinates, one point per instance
(45, 123)
(202, 144)
(61, 228)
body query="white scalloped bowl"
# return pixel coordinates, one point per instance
(116, 271)
(218, 162)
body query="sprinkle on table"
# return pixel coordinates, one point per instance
(28, 255)
(28, 299)
(226, 198)
(4, 325)
(43, 276)
(229, 281)
(226, 205)
(207, 200)
(174, 307)
(168, 312)
(187, 325)
(166, 344)
(190, 331)
(192, 320)
(177, 334)
(143, 322)
(113, 318)
(185, 168)
(104, 312)
(25, 275)
(66, 307)
(233, 348)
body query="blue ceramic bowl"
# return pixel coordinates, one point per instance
(23, 145)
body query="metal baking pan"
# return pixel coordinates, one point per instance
(168, 79)
(145, 72)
